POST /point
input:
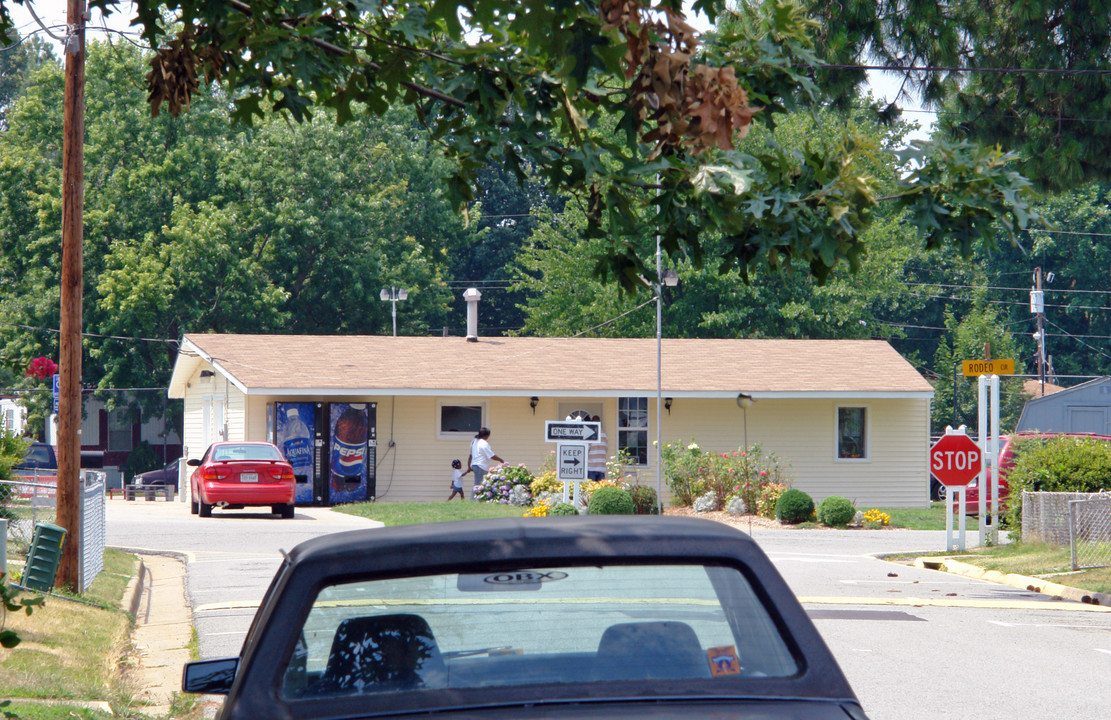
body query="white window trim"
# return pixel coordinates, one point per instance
(867, 432)
(469, 402)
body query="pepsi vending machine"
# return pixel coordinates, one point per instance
(331, 447)
(351, 455)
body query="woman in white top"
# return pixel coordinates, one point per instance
(481, 455)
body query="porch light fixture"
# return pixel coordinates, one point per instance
(533, 402)
(667, 405)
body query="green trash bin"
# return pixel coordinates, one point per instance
(44, 557)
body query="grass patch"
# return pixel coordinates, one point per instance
(931, 518)
(70, 650)
(56, 712)
(412, 513)
(1039, 560)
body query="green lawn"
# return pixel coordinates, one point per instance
(411, 513)
(1050, 562)
(931, 518)
(70, 650)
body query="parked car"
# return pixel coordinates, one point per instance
(1006, 462)
(566, 617)
(166, 475)
(232, 475)
(40, 456)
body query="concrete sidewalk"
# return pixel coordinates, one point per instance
(163, 630)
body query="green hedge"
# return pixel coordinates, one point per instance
(1057, 464)
(793, 507)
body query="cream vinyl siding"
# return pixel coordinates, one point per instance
(801, 432)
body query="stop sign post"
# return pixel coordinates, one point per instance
(955, 460)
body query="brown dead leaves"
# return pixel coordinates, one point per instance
(172, 78)
(688, 107)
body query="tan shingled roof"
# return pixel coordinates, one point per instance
(527, 365)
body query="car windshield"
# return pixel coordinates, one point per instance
(535, 626)
(225, 453)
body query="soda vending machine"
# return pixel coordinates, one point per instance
(332, 448)
(351, 454)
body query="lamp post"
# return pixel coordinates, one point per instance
(670, 279)
(392, 295)
(743, 401)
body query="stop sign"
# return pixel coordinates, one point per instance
(955, 460)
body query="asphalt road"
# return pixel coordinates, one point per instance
(916, 644)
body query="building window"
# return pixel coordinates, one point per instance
(632, 428)
(458, 419)
(852, 437)
(120, 423)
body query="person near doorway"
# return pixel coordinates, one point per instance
(482, 455)
(456, 480)
(597, 454)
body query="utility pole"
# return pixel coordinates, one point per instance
(69, 351)
(1037, 306)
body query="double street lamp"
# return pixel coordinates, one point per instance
(392, 295)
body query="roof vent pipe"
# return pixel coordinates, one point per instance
(472, 296)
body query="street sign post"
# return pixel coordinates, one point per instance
(571, 466)
(572, 431)
(955, 460)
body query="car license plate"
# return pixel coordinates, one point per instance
(248, 477)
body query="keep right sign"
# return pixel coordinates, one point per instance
(955, 460)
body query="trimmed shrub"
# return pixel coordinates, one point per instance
(644, 500)
(610, 501)
(794, 506)
(563, 509)
(836, 511)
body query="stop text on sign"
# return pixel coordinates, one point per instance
(956, 459)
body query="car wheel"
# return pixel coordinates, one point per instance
(206, 509)
(193, 506)
(942, 492)
(287, 511)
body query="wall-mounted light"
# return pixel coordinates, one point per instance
(533, 402)
(667, 405)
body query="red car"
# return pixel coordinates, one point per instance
(232, 475)
(1006, 462)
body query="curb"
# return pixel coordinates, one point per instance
(133, 594)
(1032, 584)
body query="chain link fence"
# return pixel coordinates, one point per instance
(1081, 521)
(1090, 525)
(25, 501)
(28, 500)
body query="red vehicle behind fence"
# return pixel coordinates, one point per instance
(1006, 462)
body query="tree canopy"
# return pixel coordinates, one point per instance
(617, 104)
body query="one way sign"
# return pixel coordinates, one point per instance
(572, 431)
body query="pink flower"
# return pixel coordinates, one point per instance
(42, 367)
(763, 473)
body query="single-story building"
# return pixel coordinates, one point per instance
(1083, 408)
(848, 417)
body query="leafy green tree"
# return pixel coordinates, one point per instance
(18, 60)
(1031, 75)
(542, 86)
(966, 339)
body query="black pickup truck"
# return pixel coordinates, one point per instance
(583, 618)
